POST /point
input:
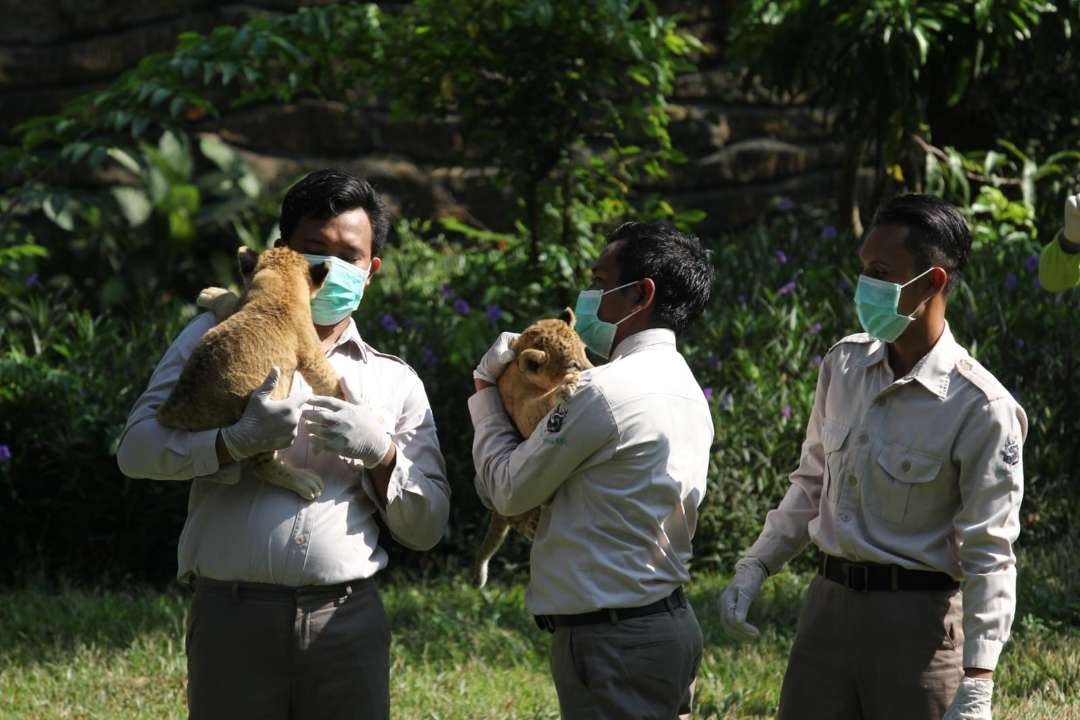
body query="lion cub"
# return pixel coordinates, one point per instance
(271, 326)
(549, 358)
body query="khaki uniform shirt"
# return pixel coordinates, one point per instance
(243, 529)
(619, 471)
(924, 472)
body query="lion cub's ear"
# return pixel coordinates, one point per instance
(318, 274)
(568, 317)
(247, 259)
(531, 361)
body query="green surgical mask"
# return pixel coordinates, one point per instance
(594, 332)
(877, 302)
(341, 291)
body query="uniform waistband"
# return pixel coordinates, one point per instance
(549, 622)
(867, 577)
(282, 592)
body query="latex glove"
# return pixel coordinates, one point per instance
(972, 700)
(495, 360)
(737, 596)
(1072, 219)
(266, 424)
(348, 429)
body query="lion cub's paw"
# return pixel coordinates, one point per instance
(219, 301)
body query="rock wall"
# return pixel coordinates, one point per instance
(745, 146)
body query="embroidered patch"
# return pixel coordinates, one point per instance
(554, 423)
(1010, 454)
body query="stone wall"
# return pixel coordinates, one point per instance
(745, 146)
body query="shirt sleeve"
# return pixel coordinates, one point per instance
(514, 476)
(149, 450)
(786, 530)
(418, 494)
(989, 454)
(1058, 270)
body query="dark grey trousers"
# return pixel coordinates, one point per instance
(268, 653)
(639, 669)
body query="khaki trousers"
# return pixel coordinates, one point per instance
(273, 654)
(874, 656)
(638, 669)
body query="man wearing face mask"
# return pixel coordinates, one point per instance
(909, 484)
(618, 472)
(286, 621)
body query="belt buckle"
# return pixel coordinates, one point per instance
(849, 577)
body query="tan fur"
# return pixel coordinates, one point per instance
(549, 358)
(271, 326)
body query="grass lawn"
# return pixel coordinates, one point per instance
(458, 653)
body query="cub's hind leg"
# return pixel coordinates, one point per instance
(269, 468)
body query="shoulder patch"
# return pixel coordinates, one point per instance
(857, 339)
(981, 378)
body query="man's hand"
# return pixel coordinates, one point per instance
(266, 424)
(972, 700)
(737, 596)
(345, 428)
(495, 360)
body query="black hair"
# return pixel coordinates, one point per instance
(937, 235)
(328, 193)
(675, 261)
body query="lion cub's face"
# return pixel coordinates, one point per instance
(548, 350)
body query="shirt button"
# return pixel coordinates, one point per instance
(844, 517)
(864, 438)
(852, 480)
(301, 539)
(905, 466)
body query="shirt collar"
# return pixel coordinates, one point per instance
(933, 370)
(644, 339)
(352, 336)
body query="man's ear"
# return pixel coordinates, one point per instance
(247, 259)
(319, 272)
(648, 292)
(568, 317)
(939, 279)
(531, 361)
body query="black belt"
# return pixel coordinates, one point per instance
(267, 590)
(549, 622)
(867, 577)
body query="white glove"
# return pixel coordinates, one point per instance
(495, 360)
(1072, 219)
(345, 428)
(972, 700)
(266, 424)
(737, 596)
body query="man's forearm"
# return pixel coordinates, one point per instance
(380, 474)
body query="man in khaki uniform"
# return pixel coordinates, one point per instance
(618, 472)
(1059, 262)
(910, 482)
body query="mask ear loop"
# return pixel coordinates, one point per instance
(925, 300)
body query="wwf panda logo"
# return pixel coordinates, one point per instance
(554, 423)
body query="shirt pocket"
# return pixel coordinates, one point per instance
(833, 442)
(905, 487)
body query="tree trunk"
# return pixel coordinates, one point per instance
(847, 201)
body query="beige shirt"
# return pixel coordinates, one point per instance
(239, 528)
(924, 472)
(619, 471)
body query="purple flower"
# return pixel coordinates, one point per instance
(461, 307)
(788, 289)
(708, 392)
(727, 402)
(1020, 344)
(741, 298)
(784, 203)
(32, 280)
(786, 412)
(447, 292)
(781, 257)
(843, 284)
(389, 323)
(5, 453)
(816, 361)
(828, 232)
(714, 361)
(1032, 263)
(428, 358)
(1011, 281)
(815, 328)
(493, 312)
